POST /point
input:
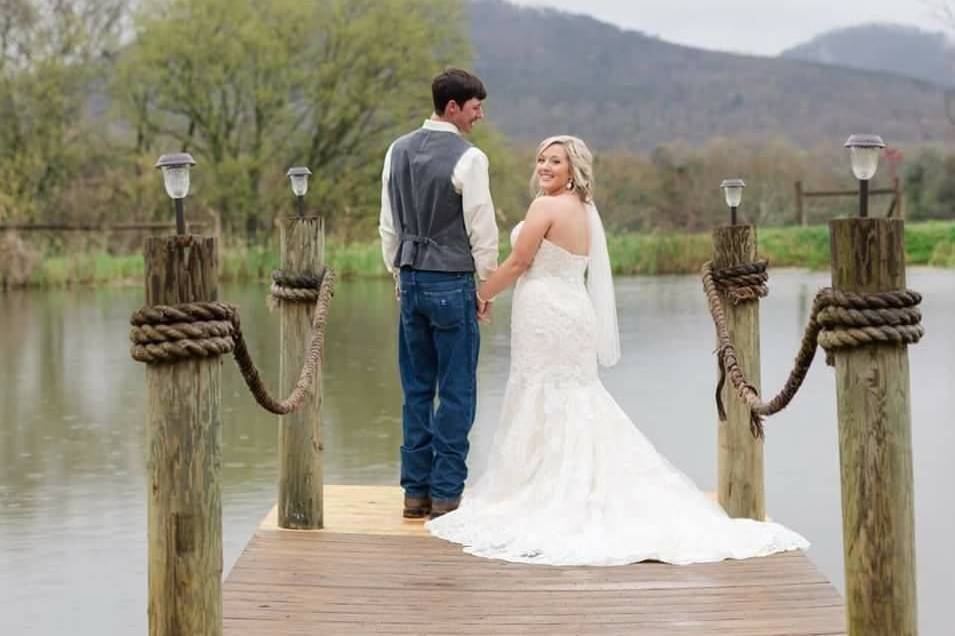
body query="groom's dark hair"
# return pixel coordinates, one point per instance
(455, 84)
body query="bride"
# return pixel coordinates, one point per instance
(568, 478)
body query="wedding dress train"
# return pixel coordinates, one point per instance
(569, 479)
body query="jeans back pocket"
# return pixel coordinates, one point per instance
(444, 308)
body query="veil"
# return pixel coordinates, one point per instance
(600, 288)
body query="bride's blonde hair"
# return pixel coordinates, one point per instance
(581, 165)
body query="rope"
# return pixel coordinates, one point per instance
(298, 288)
(838, 320)
(743, 283)
(169, 333)
(316, 346)
(853, 320)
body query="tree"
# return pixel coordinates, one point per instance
(51, 52)
(252, 87)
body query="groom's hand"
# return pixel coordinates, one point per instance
(484, 311)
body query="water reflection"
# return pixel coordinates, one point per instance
(72, 476)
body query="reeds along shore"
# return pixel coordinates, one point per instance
(929, 243)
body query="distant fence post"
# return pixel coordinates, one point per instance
(741, 491)
(300, 504)
(899, 197)
(800, 206)
(184, 459)
(875, 442)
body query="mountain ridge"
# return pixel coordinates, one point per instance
(893, 48)
(549, 71)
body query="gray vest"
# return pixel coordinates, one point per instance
(428, 213)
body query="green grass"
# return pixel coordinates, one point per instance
(931, 243)
(96, 268)
(247, 263)
(795, 247)
(928, 243)
(657, 253)
(356, 259)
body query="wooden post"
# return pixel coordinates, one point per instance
(800, 208)
(875, 443)
(300, 433)
(185, 441)
(899, 198)
(740, 455)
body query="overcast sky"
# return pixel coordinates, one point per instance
(762, 27)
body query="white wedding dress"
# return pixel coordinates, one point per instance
(569, 479)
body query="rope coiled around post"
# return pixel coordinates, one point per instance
(743, 283)
(296, 288)
(169, 333)
(838, 320)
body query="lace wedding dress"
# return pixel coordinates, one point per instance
(569, 479)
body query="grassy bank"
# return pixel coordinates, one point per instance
(235, 264)
(931, 243)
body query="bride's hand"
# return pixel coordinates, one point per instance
(483, 310)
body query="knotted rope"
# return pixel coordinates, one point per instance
(169, 333)
(838, 320)
(743, 283)
(296, 288)
(853, 320)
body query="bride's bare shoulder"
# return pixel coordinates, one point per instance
(549, 207)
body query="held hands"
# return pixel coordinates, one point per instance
(484, 308)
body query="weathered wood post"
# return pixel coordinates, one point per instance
(740, 464)
(300, 433)
(800, 205)
(185, 441)
(899, 197)
(875, 444)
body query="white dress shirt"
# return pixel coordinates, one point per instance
(470, 180)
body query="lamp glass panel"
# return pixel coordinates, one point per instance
(865, 161)
(176, 180)
(299, 184)
(733, 195)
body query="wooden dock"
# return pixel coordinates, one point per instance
(372, 572)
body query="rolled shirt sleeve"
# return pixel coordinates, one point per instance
(471, 180)
(386, 221)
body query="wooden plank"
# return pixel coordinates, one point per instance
(354, 509)
(372, 572)
(846, 193)
(114, 227)
(360, 510)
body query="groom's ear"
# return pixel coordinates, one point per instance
(451, 108)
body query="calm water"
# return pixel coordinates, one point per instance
(72, 476)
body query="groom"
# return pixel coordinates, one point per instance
(437, 230)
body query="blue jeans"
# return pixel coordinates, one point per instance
(438, 342)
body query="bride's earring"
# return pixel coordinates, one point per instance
(570, 184)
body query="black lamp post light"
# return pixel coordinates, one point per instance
(299, 178)
(864, 151)
(733, 193)
(175, 175)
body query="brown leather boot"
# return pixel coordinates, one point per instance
(443, 507)
(416, 507)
